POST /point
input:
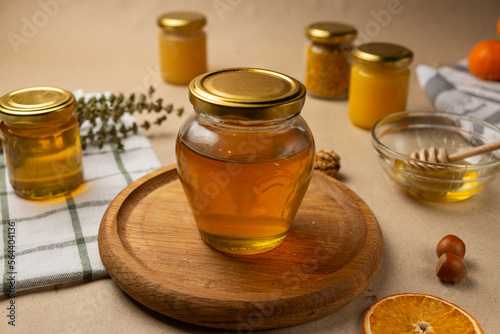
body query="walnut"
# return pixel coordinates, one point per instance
(328, 162)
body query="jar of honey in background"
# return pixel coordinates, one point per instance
(182, 46)
(41, 142)
(329, 59)
(245, 157)
(379, 82)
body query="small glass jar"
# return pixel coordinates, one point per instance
(379, 82)
(41, 142)
(329, 59)
(182, 46)
(245, 157)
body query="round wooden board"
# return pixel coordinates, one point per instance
(151, 248)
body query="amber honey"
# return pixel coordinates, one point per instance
(245, 157)
(46, 162)
(244, 203)
(41, 142)
(444, 185)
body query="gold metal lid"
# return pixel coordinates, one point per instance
(247, 94)
(331, 32)
(383, 55)
(36, 105)
(182, 21)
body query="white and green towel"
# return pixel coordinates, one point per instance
(55, 242)
(455, 89)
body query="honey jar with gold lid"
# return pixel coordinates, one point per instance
(245, 157)
(182, 46)
(329, 59)
(41, 142)
(379, 82)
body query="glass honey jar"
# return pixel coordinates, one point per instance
(379, 82)
(41, 142)
(245, 157)
(182, 46)
(329, 59)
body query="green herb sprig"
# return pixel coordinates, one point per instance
(105, 116)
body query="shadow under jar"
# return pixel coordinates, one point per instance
(41, 142)
(245, 157)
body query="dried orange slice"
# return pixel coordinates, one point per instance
(417, 313)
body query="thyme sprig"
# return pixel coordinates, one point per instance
(106, 119)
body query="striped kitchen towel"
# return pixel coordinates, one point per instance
(455, 89)
(46, 243)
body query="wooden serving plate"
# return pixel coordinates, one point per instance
(151, 248)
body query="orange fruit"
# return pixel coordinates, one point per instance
(484, 60)
(498, 27)
(417, 313)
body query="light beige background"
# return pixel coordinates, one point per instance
(111, 46)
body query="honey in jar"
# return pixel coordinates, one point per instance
(329, 59)
(41, 142)
(182, 46)
(245, 157)
(379, 82)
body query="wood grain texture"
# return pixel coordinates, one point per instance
(151, 248)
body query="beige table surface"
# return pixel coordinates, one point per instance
(111, 46)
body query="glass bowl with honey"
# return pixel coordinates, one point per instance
(399, 135)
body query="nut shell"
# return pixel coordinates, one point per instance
(451, 244)
(451, 268)
(328, 162)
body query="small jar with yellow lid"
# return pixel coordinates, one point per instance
(379, 82)
(182, 46)
(41, 142)
(329, 59)
(245, 157)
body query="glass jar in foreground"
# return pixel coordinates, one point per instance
(182, 46)
(245, 157)
(41, 142)
(379, 82)
(329, 59)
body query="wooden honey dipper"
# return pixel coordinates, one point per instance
(441, 156)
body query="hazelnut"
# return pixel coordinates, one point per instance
(451, 268)
(451, 244)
